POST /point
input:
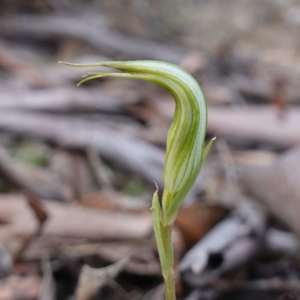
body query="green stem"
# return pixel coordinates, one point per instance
(165, 248)
(167, 271)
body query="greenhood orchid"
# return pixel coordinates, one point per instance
(185, 152)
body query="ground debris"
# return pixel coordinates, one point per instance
(78, 164)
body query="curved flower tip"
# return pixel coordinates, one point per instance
(185, 142)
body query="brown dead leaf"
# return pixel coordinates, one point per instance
(197, 219)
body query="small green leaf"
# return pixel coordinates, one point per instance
(207, 148)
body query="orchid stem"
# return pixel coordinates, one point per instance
(168, 273)
(164, 246)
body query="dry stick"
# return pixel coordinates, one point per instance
(71, 221)
(131, 154)
(33, 180)
(252, 124)
(261, 285)
(92, 32)
(97, 169)
(256, 123)
(274, 183)
(41, 216)
(140, 264)
(91, 279)
(10, 62)
(230, 172)
(68, 100)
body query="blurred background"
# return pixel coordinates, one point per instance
(78, 164)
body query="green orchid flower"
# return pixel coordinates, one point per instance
(185, 152)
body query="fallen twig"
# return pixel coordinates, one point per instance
(256, 124)
(68, 100)
(277, 186)
(229, 245)
(67, 220)
(132, 154)
(91, 30)
(41, 216)
(273, 284)
(12, 63)
(91, 280)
